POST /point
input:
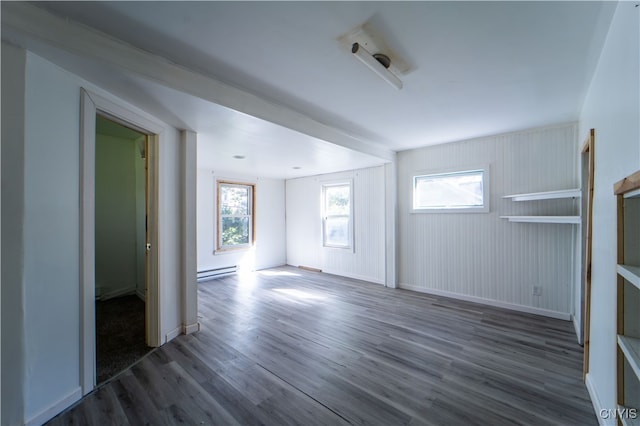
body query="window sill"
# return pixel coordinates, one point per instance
(349, 249)
(231, 250)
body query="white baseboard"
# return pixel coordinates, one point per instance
(595, 400)
(512, 306)
(56, 408)
(141, 295)
(354, 276)
(191, 328)
(117, 293)
(577, 327)
(173, 334)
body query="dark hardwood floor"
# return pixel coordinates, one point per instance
(288, 346)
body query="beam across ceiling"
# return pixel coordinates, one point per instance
(22, 23)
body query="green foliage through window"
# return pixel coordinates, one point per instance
(337, 226)
(235, 213)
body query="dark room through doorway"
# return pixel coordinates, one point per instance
(120, 247)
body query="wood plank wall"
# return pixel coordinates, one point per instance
(480, 255)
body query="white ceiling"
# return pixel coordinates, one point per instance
(477, 68)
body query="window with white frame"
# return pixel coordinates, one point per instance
(236, 214)
(457, 191)
(337, 210)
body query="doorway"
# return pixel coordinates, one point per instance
(93, 106)
(120, 247)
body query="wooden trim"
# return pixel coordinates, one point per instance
(309, 268)
(218, 247)
(627, 184)
(588, 148)
(586, 145)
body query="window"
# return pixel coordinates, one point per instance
(460, 191)
(236, 210)
(337, 213)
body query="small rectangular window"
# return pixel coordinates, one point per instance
(236, 210)
(460, 191)
(337, 214)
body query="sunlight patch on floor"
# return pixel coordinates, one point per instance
(270, 273)
(299, 294)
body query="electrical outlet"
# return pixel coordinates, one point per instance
(537, 290)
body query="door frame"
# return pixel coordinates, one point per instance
(91, 105)
(588, 151)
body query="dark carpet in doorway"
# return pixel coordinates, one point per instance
(120, 335)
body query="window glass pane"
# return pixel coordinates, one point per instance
(234, 200)
(337, 200)
(337, 231)
(235, 231)
(451, 190)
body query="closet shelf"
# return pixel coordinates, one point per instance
(543, 219)
(630, 347)
(547, 195)
(630, 273)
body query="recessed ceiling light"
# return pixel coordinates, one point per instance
(296, 167)
(239, 157)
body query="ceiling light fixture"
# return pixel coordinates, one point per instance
(378, 63)
(239, 157)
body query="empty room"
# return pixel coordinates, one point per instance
(320, 213)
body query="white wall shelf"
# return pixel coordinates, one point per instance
(630, 273)
(630, 347)
(543, 219)
(547, 195)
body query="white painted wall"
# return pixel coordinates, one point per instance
(269, 250)
(120, 217)
(46, 297)
(189, 204)
(304, 225)
(612, 107)
(479, 256)
(13, 344)
(170, 238)
(51, 235)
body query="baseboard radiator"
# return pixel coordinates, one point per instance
(211, 274)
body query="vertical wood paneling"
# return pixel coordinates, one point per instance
(304, 225)
(481, 255)
(304, 222)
